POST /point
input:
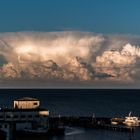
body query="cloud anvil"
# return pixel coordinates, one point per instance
(69, 56)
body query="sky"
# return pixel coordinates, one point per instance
(101, 16)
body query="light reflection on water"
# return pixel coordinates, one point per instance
(96, 135)
(73, 131)
(88, 135)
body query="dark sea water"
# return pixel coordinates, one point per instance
(83, 102)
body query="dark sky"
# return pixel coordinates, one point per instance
(104, 16)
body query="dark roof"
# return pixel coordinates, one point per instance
(27, 99)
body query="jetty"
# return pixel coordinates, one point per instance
(89, 123)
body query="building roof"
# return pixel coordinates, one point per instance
(27, 99)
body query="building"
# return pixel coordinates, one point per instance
(26, 114)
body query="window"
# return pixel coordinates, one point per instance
(8, 116)
(23, 116)
(36, 103)
(16, 116)
(5, 126)
(37, 116)
(29, 116)
(16, 105)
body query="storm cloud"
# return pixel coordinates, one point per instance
(70, 56)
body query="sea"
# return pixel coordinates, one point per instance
(83, 102)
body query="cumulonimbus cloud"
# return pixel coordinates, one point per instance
(69, 56)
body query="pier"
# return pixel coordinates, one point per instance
(58, 124)
(88, 123)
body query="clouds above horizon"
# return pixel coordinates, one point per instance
(70, 56)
